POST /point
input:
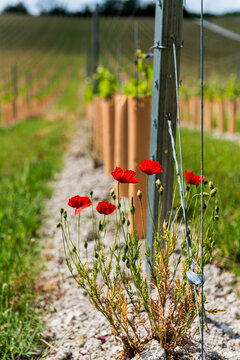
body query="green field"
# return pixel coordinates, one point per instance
(229, 22)
(31, 153)
(221, 56)
(222, 167)
(57, 36)
(50, 54)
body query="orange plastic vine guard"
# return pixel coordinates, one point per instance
(139, 119)
(121, 138)
(231, 108)
(107, 107)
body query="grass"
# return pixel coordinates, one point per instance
(26, 167)
(231, 23)
(31, 153)
(222, 167)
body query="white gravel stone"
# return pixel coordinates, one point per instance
(154, 352)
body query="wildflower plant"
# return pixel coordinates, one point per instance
(139, 306)
(107, 82)
(142, 85)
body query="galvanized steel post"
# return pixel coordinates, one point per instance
(168, 25)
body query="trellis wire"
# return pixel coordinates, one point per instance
(185, 220)
(182, 192)
(201, 74)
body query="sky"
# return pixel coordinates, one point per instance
(35, 6)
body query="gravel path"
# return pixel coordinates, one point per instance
(72, 322)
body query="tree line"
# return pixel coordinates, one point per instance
(120, 8)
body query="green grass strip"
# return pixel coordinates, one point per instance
(31, 153)
(222, 167)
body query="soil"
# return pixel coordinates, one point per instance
(73, 325)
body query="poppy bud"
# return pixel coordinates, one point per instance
(217, 208)
(91, 192)
(65, 215)
(58, 225)
(164, 225)
(139, 194)
(112, 192)
(216, 217)
(123, 220)
(61, 211)
(210, 184)
(100, 226)
(85, 244)
(125, 248)
(119, 206)
(187, 187)
(158, 183)
(205, 194)
(161, 189)
(213, 192)
(96, 255)
(132, 210)
(128, 222)
(114, 197)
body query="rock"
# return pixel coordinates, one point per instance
(213, 355)
(226, 329)
(64, 355)
(154, 352)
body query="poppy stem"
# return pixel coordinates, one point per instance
(150, 211)
(144, 235)
(92, 218)
(171, 212)
(159, 212)
(79, 237)
(117, 222)
(120, 214)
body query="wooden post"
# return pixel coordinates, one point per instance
(28, 92)
(88, 62)
(95, 46)
(136, 46)
(168, 24)
(14, 92)
(119, 60)
(94, 64)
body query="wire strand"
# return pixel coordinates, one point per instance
(201, 74)
(182, 192)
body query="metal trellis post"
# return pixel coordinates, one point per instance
(119, 60)
(168, 25)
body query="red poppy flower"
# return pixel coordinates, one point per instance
(105, 207)
(126, 176)
(79, 203)
(150, 167)
(193, 179)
